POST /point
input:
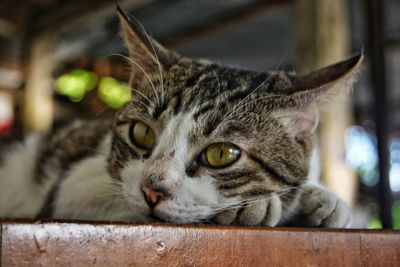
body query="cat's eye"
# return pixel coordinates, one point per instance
(142, 136)
(220, 155)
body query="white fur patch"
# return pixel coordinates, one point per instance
(20, 195)
(96, 195)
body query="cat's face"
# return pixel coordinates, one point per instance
(199, 138)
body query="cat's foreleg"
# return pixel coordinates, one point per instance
(319, 207)
(260, 212)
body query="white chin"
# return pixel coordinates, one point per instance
(164, 217)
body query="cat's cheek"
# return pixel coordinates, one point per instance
(136, 202)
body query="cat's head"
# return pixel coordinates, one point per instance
(198, 138)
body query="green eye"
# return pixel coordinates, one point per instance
(142, 136)
(221, 155)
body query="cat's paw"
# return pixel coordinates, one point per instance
(322, 208)
(263, 212)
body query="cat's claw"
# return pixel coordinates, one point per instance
(322, 208)
(265, 212)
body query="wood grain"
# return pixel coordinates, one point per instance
(84, 244)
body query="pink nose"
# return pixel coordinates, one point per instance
(153, 195)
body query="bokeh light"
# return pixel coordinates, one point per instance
(114, 93)
(361, 154)
(394, 174)
(396, 215)
(75, 84)
(374, 223)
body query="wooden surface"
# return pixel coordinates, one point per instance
(73, 244)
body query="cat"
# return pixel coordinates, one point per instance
(198, 143)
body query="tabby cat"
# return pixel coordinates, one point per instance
(198, 143)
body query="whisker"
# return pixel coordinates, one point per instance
(155, 54)
(142, 70)
(236, 121)
(101, 111)
(98, 151)
(250, 102)
(214, 115)
(216, 76)
(112, 189)
(141, 94)
(248, 202)
(138, 101)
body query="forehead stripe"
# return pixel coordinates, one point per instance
(240, 94)
(178, 102)
(202, 110)
(159, 109)
(254, 84)
(211, 125)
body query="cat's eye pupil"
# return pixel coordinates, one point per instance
(142, 136)
(221, 155)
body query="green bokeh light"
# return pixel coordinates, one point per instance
(374, 223)
(114, 93)
(396, 215)
(75, 84)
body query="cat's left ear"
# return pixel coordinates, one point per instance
(299, 110)
(146, 54)
(325, 82)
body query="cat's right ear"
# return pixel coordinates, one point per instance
(299, 111)
(147, 56)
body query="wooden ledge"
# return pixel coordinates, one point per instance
(103, 244)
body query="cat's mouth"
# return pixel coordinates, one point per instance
(159, 216)
(167, 217)
(154, 217)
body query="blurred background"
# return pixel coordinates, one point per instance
(60, 60)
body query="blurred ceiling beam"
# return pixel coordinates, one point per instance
(227, 20)
(69, 14)
(35, 17)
